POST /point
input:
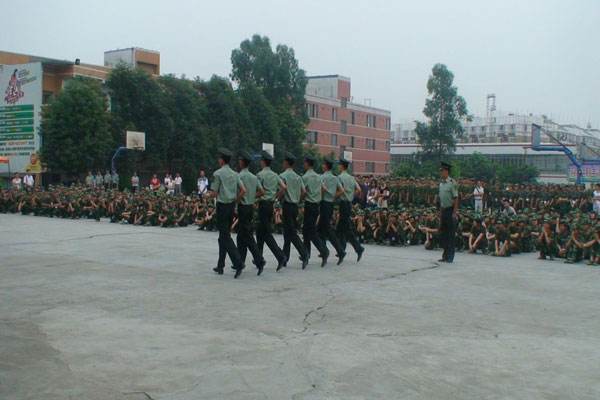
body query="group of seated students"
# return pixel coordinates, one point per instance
(562, 226)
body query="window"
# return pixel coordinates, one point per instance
(387, 145)
(312, 110)
(312, 137)
(46, 97)
(371, 144)
(388, 124)
(387, 168)
(344, 126)
(369, 166)
(334, 139)
(344, 102)
(371, 121)
(352, 142)
(333, 114)
(353, 118)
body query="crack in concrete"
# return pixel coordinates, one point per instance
(139, 392)
(79, 238)
(396, 275)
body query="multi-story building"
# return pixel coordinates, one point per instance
(340, 126)
(28, 82)
(507, 139)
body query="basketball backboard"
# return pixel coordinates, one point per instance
(136, 140)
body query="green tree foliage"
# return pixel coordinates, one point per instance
(76, 129)
(476, 166)
(256, 67)
(444, 110)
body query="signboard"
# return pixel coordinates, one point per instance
(591, 173)
(269, 148)
(347, 155)
(20, 108)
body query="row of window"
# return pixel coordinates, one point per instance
(312, 137)
(312, 110)
(501, 128)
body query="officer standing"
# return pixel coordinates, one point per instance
(345, 228)
(245, 236)
(448, 197)
(291, 195)
(331, 189)
(312, 199)
(271, 183)
(228, 188)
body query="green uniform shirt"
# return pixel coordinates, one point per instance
(348, 184)
(226, 183)
(251, 183)
(448, 192)
(269, 181)
(294, 185)
(312, 182)
(330, 183)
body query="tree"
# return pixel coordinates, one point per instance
(76, 129)
(139, 103)
(477, 166)
(444, 110)
(277, 75)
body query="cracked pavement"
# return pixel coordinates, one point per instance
(102, 311)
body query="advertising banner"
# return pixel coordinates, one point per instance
(20, 115)
(591, 173)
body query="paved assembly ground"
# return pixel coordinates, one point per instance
(102, 311)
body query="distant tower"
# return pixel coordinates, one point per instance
(490, 108)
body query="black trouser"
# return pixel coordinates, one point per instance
(326, 231)
(264, 230)
(309, 229)
(345, 228)
(447, 233)
(226, 244)
(290, 231)
(245, 236)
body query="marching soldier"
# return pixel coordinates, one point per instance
(331, 189)
(291, 194)
(227, 187)
(312, 199)
(245, 236)
(448, 197)
(271, 183)
(345, 228)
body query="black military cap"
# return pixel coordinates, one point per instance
(266, 156)
(290, 157)
(344, 162)
(223, 151)
(329, 160)
(445, 165)
(310, 157)
(244, 155)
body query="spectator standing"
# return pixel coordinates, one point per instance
(107, 180)
(154, 183)
(135, 182)
(17, 182)
(28, 181)
(99, 180)
(90, 180)
(202, 184)
(178, 181)
(596, 198)
(115, 180)
(478, 193)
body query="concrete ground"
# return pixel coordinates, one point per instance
(102, 311)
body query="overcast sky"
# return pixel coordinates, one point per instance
(539, 56)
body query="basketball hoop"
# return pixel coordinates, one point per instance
(136, 140)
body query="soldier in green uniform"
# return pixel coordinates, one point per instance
(448, 196)
(245, 236)
(227, 188)
(291, 195)
(345, 230)
(331, 189)
(271, 183)
(312, 199)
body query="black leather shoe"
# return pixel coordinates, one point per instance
(341, 258)
(360, 254)
(261, 267)
(281, 264)
(442, 260)
(324, 260)
(238, 271)
(218, 270)
(304, 263)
